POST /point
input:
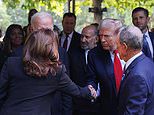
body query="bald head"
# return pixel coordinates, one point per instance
(41, 20)
(92, 29)
(89, 37)
(130, 42)
(132, 36)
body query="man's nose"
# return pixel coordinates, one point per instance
(83, 39)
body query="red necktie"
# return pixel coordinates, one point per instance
(117, 70)
(65, 42)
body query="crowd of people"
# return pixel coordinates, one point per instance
(107, 69)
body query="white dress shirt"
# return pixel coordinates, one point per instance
(149, 42)
(69, 39)
(112, 58)
(86, 56)
(132, 59)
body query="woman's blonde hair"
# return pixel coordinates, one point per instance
(40, 54)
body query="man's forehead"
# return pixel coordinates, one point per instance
(88, 32)
(138, 13)
(106, 30)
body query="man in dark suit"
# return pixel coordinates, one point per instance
(69, 38)
(140, 18)
(78, 62)
(136, 95)
(62, 102)
(101, 68)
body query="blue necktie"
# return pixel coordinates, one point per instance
(146, 49)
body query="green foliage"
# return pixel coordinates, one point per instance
(122, 9)
(17, 16)
(18, 10)
(123, 5)
(4, 18)
(12, 3)
(84, 18)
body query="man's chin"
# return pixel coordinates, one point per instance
(106, 48)
(84, 47)
(68, 32)
(140, 27)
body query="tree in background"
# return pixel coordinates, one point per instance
(4, 18)
(121, 9)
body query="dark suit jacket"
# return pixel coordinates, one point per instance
(151, 35)
(136, 96)
(78, 75)
(21, 94)
(100, 69)
(78, 66)
(75, 42)
(62, 101)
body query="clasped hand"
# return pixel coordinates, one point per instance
(93, 91)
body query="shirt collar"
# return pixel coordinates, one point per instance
(70, 35)
(132, 59)
(147, 34)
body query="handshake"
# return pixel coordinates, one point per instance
(93, 92)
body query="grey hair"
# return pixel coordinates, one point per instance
(132, 36)
(95, 29)
(42, 16)
(114, 24)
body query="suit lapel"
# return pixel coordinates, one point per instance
(151, 35)
(73, 42)
(83, 59)
(109, 68)
(129, 69)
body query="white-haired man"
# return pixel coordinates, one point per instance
(103, 68)
(136, 95)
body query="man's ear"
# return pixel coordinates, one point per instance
(148, 18)
(125, 47)
(97, 39)
(31, 29)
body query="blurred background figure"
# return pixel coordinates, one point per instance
(0, 33)
(69, 38)
(152, 29)
(1, 43)
(55, 28)
(95, 24)
(140, 18)
(57, 31)
(27, 29)
(13, 39)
